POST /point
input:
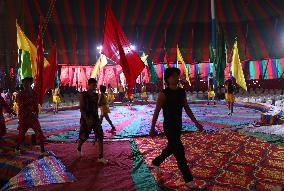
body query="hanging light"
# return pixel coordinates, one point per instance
(99, 48)
(133, 47)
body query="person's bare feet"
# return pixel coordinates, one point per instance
(102, 160)
(191, 185)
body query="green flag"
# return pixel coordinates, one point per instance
(57, 78)
(153, 74)
(26, 65)
(220, 61)
(212, 55)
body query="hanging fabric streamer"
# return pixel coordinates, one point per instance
(64, 76)
(71, 76)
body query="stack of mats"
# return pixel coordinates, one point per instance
(26, 168)
(48, 170)
(10, 164)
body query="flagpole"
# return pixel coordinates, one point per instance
(163, 79)
(213, 24)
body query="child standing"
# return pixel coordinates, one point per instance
(229, 95)
(110, 95)
(55, 99)
(90, 118)
(14, 98)
(144, 95)
(211, 93)
(28, 115)
(103, 104)
(172, 100)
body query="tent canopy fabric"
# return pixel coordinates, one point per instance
(154, 24)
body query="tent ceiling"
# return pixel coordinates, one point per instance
(77, 26)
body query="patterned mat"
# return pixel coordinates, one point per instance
(48, 170)
(12, 164)
(135, 121)
(224, 160)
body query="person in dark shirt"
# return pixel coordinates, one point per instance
(172, 100)
(90, 118)
(229, 95)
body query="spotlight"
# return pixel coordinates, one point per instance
(99, 48)
(133, 47)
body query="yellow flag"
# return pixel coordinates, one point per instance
(25, 44)
(101, 62)
(180, 59)
(236, 68)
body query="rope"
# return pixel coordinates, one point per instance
(48, 16)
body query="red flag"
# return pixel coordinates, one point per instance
(50, 71)
(118, 49)
(40, 64)
(12, 74)
(159, 70)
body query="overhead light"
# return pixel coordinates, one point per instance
(99, 48)
(133, 47)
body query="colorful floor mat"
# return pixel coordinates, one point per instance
(91, 175)
(224, 160)
(45, 171)
(10, 163)
(136, 120)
